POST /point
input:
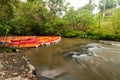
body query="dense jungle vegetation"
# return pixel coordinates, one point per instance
(45, 17)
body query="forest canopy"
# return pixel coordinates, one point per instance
(55, 17)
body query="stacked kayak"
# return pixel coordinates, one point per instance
(29, 41)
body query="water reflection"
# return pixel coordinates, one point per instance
(79, 59)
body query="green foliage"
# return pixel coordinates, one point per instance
(115, 18)
(70, 34)
(89, 7)
(101, 35)
(6, 49)
(71, 17)
(81, 34)
(28, 16)
(56, 7)
(4, 29)
(38, 17)
(6, 12)
(86, 19)
(107, 4)
(117, 3)
(79, 20)
(49, 29)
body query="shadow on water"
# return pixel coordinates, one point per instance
(78, 59)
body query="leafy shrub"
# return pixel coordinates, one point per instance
(80, 34)
(4, 29)
(70, 34)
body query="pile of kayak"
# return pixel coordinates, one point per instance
(29, 41)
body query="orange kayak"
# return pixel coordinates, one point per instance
(29, 41)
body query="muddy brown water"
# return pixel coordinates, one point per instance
(81, 59)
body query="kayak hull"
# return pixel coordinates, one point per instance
(29, 41)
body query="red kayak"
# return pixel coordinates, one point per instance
(29, 41)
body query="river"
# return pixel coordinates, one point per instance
(78, 59)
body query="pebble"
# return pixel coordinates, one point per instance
(14, 66)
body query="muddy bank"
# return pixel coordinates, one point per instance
(15, 66)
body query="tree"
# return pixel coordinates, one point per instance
(6, 11)
(91, 5)
(106, 5)
(115, 18)
(27, 16)
(79, 19)
(86, 20)
(55, 7)
(6, 14)
(117, 3)
(71, 18)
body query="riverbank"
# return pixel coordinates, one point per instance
(15, 66)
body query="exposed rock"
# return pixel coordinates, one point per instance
(53, 73)
(15, 66)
